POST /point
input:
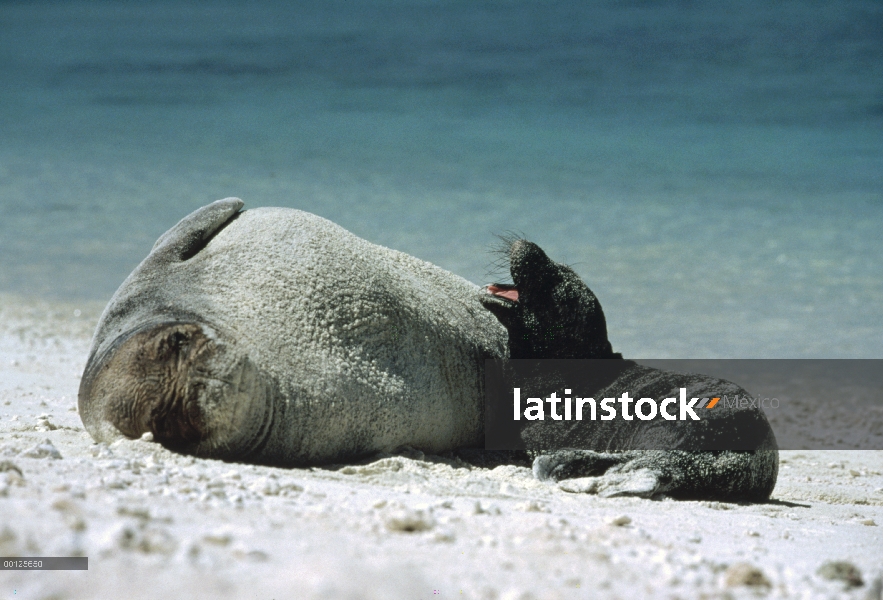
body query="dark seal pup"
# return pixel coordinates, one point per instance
(275, 336)
(551, 314)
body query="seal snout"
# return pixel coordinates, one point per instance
(151, 380)
(532, 272)
(548, 311)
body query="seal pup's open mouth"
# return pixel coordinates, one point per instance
(503, 290)
(503, 300)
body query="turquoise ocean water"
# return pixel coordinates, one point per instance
(713, 170)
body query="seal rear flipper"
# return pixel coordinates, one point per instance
(194, 231)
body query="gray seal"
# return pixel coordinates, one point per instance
(551, 314)
(275, 336)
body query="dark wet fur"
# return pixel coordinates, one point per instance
(557, 315)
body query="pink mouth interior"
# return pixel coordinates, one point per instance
(510, 293)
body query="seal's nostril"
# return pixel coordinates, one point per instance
(179, 341)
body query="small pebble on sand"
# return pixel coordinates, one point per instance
(744, 574)
(409, 521)
(841, 570)
(45, 449)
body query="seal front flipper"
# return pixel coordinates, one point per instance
(722, 475)
(572, 462)
(194, 231)
(643, 483)
(603, 473)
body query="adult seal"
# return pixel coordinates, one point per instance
(275, 336)
(551, 314)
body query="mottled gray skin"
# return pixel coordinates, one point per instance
(557, 316)
(275, 336)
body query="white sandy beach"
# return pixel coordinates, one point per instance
(156, 524)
